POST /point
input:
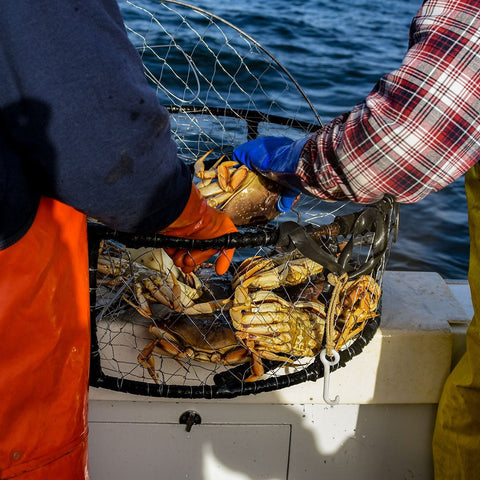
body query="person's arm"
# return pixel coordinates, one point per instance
(416, 132)
(77, 110)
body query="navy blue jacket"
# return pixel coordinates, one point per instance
(78, 121)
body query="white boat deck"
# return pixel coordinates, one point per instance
(380, 430)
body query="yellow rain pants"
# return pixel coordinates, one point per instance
(456, 440)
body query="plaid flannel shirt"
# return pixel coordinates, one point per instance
(419, 129)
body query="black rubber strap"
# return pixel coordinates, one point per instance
(292, 235)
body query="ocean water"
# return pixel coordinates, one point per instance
(336, 51)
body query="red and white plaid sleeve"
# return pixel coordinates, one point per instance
(419, 129)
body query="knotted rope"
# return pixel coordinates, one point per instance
(338, 283)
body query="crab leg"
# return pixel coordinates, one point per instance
(156, 292)
(207, 307)
(249, 267)
(199, 168)
(225, 174)
(235, 356)
(256, 365)
(184, 292)
(146, 360)
(238, 177)
(144, 306)
(111, 266)
(211, 190)
(224, 178)
(217, 200)
(137, 308)
(262, 323)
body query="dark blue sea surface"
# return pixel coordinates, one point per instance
(337, 51)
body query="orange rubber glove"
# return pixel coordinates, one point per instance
(201, 222)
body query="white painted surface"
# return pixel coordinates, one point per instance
(165, 450)
(382, 429)
(247, 441)
(461, 291)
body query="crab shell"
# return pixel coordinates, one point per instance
(203, 338)
(274, 329)
(359, 302)
(255, 201)
(284, 269)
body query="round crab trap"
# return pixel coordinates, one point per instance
(303, 293)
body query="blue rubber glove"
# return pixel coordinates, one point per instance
(275, 158)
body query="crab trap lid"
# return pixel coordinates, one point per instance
(300, 283)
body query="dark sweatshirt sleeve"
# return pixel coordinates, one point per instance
(79, 116)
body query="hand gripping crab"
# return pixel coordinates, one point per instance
(246, 197)
(203, 338)
(358, 303)
(275, 329)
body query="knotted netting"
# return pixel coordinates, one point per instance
(301, 284)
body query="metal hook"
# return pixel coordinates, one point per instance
(326, 375)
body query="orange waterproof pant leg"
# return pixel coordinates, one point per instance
(456, 441)
(44, 348)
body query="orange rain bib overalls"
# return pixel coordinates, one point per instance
(44, 348)
(456, 442)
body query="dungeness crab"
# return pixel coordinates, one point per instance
(358, 303)
(274, 329)
(246, 197)
(203, 338)
(155, 279)
(281, 270)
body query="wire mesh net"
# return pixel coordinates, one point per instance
(300, 283)
(291, 292)
(211, 73)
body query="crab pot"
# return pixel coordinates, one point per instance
(300, 282)
(259, 327)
